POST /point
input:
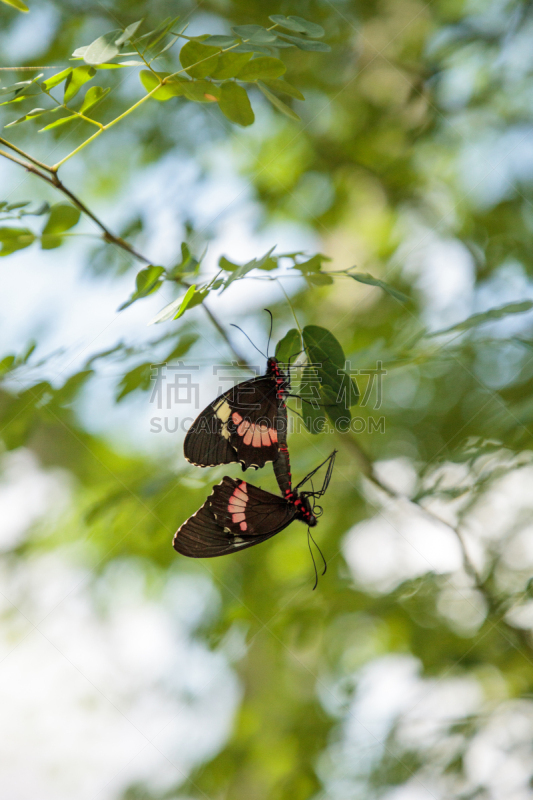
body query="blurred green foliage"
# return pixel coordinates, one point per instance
(414, 138)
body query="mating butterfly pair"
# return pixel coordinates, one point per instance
(247, 424)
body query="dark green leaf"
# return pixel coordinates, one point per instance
(14, 206)
(102, 49)
(288, 346)
(488, 316)
(313, 264)
(129, 32)
(183, 346)
(92, 97)
(235, 104)
(201, 91)
(253, 48)
(56, 79)
(13, 239)
(262, 68)
(230, 64)
(299, 25)
(193, 52)
(219, 41)
(284, 88)
(322, 346)
(226, 265)
(255, 34)
(147, 281)
(63, 217)
(312, 402)
(279, 104)
(306, 44)
(363, 277)
(160, 32)
(75, 81)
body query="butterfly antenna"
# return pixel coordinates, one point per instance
(309, 537)
(253, 345)
(271, 325)
(320, 551)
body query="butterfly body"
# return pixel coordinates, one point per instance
(247, 424)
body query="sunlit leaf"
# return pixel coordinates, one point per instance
(75, 81)
(18, 4)
(147, 281)
(201, 91)
(55, 80)
(279, 104)
(13, 239)
(92, 97)
(193, 52)
(63, 217)
(177, 307)
(30, 115)
(129, 32)
(244, 269)
(174, 88)
(102, 49)
(235, 104)
(58, 122)
(298, 25)
(262, 68)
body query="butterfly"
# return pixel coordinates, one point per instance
(248, 423)
(238, 515)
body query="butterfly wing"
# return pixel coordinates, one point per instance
(242, 424)
(237, 515)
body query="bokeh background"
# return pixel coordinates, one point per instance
(128, 672)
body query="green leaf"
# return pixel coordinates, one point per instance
(299, 25)
(312, 401)
(285, 88)
(195, 51)
(230, 64)
(75, 81)
(63, 217)
(92, 97)
(253, 48)
(289, 346)
(264, 67)
(244, 269)
(183, 346)
(102, 49)
(147, 281)
(30, 115)
(129, 32)
(14, 206)
(58, 122)
(55, 80)
(255, 34)
(322, 346)
(219, 41)
(363, 277)
(13, 239)
(7, 364)
(201, 91)
(18, 4)
(313, 264)
(306, 44)
(155, 36)
(226, 265)
(174, 88)
(488, 316)
(137, 378)
(177, 306)
(279, 104)
(235, 104)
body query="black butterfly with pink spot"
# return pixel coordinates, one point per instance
(238, 515)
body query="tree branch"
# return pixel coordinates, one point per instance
(36, 168)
